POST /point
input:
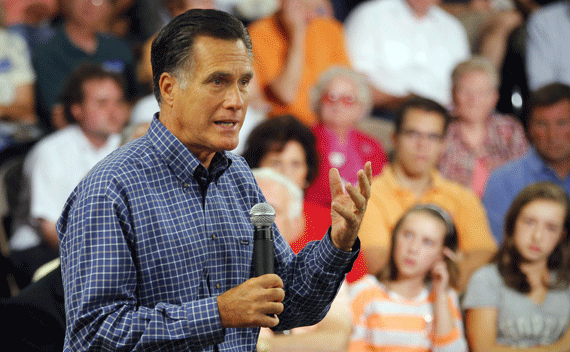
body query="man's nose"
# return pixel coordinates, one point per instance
(234, 98)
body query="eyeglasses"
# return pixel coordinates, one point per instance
(331, 98)
(416, 135)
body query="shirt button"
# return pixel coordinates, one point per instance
(185, 185)
(218, 285)
(213, 236)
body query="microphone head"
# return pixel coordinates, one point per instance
(262, 214)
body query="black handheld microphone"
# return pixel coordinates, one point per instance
(262, 215)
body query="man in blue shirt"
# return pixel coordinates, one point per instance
(156, 242)
(548, 129)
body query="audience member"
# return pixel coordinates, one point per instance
(413, 51)
(547, 49)
(411, 304)
(521, 300)
(96, 110)
(330, 334)
(286, 145)
(77, 41)
(341, 99)
(478, 139)
(291, 49)
(412, 178)
(17, 99)
(548, 130)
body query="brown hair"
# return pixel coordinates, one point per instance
(273, 134)
(450, 240)
(73, 92)
(422, 104)
(508, 258)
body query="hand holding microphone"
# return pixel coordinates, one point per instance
(257, 301)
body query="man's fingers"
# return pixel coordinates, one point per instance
(335, 183)
(347, 214)
(272, 308)
(358, 199)
(365, 180)
(269, 281)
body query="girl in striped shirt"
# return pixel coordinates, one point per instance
(410, 305)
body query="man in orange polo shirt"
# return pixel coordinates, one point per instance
(290, 51)
(412, 178)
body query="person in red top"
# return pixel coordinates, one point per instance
(341, 99)
(286, 145)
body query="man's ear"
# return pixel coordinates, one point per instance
(77, 112)
(167, 84)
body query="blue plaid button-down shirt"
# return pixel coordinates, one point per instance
(150, 238)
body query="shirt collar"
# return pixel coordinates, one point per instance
(535, 162)
(180, 160)
(540, 168)
(436, 179)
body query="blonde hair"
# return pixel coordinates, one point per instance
(475, 63)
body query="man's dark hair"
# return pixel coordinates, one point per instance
(423, 104)
(549, 95)
(273, 134)
(545, 96)
(171, 50)
(73, 92)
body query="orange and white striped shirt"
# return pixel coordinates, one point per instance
(385, 321)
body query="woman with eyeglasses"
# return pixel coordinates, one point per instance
(341, 100)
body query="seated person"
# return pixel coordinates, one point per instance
(411, 304)
(330, 334)
(96, 111)
(291, 49)
(405, 47)
(341, 99)
(412, 178)
(548, 130)
(478, 139)
(521, 301)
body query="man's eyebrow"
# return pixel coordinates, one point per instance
(248, 75)
(218, 75)
(226, 75)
